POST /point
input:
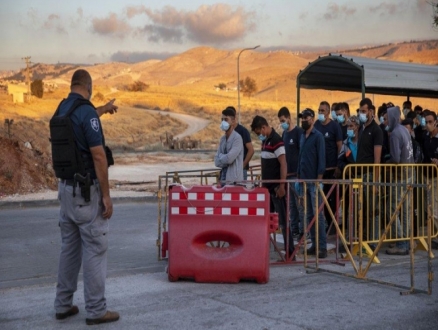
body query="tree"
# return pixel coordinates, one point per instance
(37, 88)
(248, 86)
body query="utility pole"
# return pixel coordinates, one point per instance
(8, 123)
(27, 60)
(238, 78)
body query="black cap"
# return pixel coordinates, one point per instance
(306, 113)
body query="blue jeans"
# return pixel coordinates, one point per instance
(280, 208)
(400, 226)
(296, 210)
(245, 175)
(371, 207)
(311, 212)
(223, 174)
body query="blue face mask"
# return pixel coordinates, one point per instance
(350, 133)
(387, 128)
(363, 118)
(321, 117)
(284, 126)
(415, 126)
(224, 126)
(382, 119)
(418, 118)
(341, 119)
(334, 115)
(262, 137)
(423, 122)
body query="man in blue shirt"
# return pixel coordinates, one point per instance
(333, 143)
(311, 166)
(291, 138)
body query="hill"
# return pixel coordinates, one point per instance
(183, 83)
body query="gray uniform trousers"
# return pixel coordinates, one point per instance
(84, 236)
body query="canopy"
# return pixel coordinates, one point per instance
(371, 76)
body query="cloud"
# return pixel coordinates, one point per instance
(169, 16)
(215, 24)
(304, 15)
(335, 11)
(134, 57)
(111, 26)
(160, 33)
(132, 11)
(218, 23)
(53, 22)
(385, 8)
(423, 5)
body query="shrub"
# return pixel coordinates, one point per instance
(99, 97)
(138, 86)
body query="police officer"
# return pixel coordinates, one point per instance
(84, 224)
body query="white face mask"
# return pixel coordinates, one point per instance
(224, 126)
(363, 118)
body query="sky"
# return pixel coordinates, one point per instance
(87, 32)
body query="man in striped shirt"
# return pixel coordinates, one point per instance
(274, 167)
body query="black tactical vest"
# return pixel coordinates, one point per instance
(67, 159)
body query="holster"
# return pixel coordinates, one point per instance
(84, 184)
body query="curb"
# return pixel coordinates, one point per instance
(55, 202)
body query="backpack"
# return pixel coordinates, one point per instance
(66, 157)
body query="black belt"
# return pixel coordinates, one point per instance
(70, 182)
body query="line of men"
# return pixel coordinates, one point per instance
(320, 149)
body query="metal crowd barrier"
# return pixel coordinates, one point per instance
(400, 205)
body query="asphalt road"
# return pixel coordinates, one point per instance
(195, 124)
(30, 243)
(137, 285)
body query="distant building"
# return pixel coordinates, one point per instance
(18, 92)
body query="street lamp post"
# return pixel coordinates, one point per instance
(238, 77)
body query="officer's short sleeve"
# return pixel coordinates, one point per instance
(91, 126)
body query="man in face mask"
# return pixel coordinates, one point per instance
(331, 130)
(407, 107)
(420, 131)
(291, 138)
(229, 155)
(369, 151)
(430, 150)
(273, 161)
(311, 166)
(342, 115)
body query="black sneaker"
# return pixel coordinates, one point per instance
(395, 251)
(321, 255)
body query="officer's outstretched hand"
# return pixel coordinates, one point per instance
(110, 108)
(107, 207)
